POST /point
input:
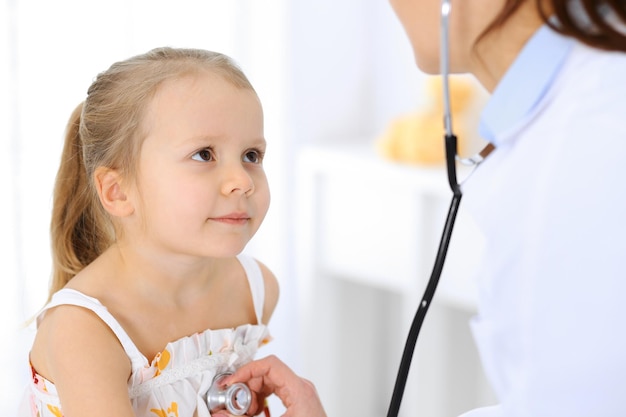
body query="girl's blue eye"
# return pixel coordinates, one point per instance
(253, 156)
(204, 155)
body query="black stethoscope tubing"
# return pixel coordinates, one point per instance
(451, 158)
(429, 292)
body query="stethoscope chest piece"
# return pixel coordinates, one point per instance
(236, 398)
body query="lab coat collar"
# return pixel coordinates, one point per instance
(524, 85)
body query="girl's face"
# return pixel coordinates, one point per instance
(421, 20)
(201, 186)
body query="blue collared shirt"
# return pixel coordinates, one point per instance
(525, 83)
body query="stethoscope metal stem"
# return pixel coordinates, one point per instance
(444, 63)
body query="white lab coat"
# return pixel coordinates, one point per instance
(551, 201)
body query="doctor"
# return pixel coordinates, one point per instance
(550, 200)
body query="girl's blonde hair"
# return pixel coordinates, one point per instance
(105, 131)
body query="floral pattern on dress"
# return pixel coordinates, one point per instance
(161, 360)
(172, 411)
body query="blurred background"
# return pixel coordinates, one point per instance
(351, 234)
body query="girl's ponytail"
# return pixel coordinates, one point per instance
(79, 230)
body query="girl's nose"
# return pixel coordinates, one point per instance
(237, 180)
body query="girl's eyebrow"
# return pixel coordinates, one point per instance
(259, 142)
(211, 139)
(204, 140)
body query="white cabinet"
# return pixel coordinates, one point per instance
(366, 233)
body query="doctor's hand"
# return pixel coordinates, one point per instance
(271, 376)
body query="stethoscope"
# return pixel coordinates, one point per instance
(235, 398)
(451, 159)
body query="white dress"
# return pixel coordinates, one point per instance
(177, 380)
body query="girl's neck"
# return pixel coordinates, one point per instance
(171, 277)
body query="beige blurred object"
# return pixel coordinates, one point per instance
(417, 138)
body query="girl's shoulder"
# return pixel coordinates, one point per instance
(70, 332)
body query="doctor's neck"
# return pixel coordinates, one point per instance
(591, 22)
(496, 50)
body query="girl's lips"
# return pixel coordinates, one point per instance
(235, 219)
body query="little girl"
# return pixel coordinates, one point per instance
(160, 188)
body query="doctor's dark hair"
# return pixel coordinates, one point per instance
(598, 23)
(106, 130)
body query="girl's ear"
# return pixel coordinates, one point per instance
(112, 194)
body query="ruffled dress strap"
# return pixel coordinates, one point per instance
(67, 296)
(256, 282)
